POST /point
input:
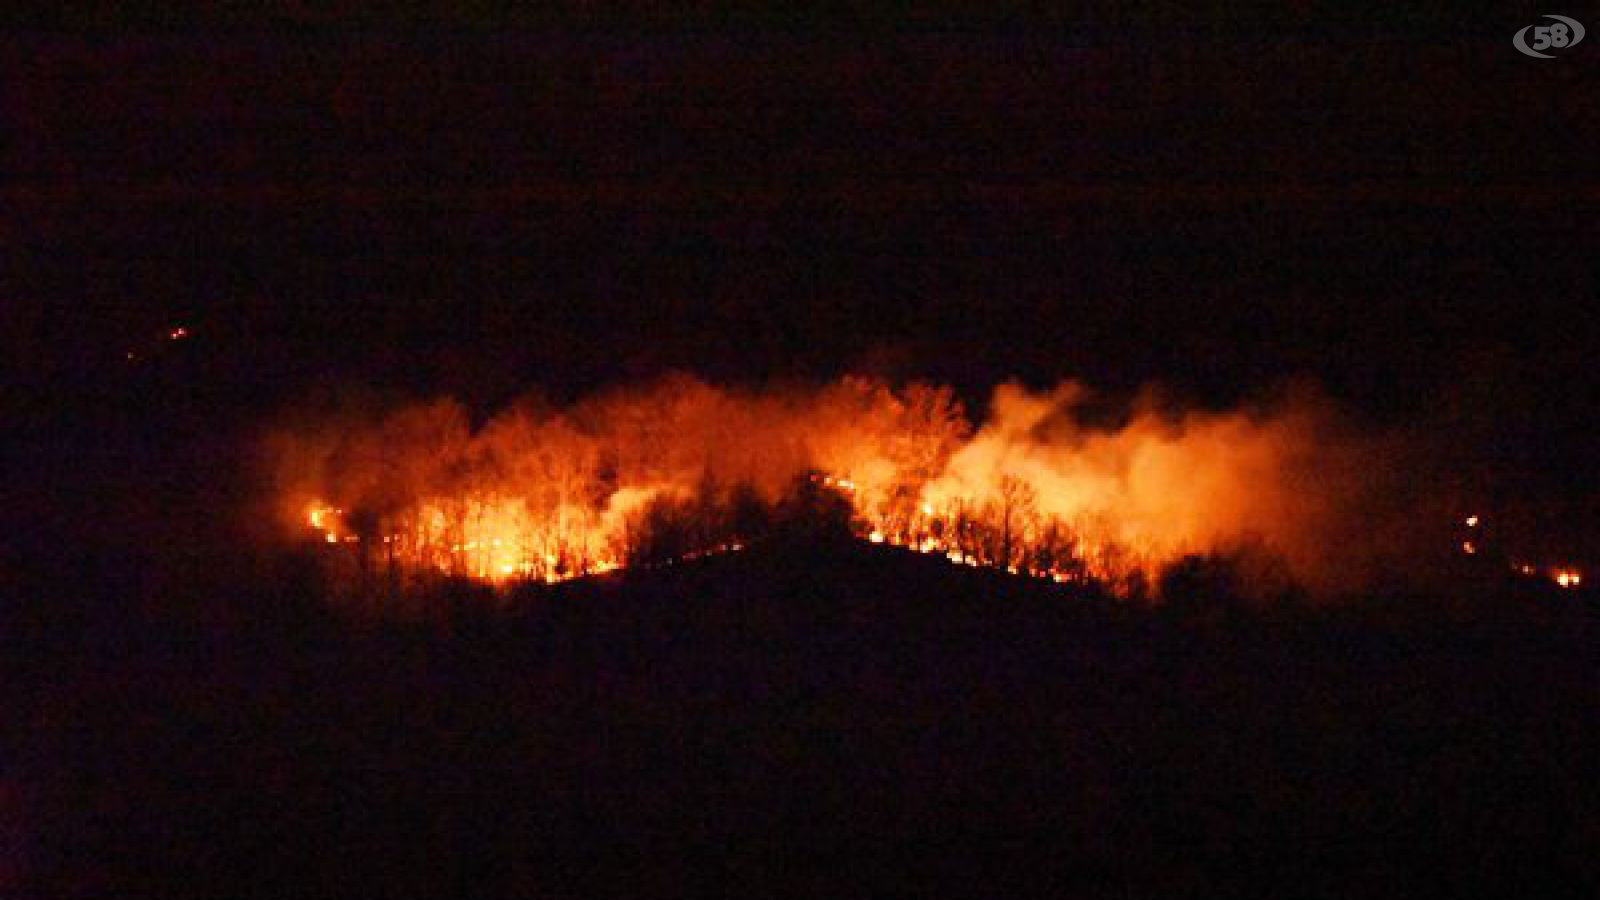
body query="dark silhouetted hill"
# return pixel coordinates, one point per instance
(810, 718)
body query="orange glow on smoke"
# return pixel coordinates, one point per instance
(669, 472)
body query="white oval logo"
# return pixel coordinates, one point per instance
(1563, 34)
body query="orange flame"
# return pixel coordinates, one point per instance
(546, 494)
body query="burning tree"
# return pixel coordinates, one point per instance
(681, 468)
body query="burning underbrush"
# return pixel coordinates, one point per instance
(681, 468)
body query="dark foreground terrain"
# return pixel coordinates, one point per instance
(812, 720)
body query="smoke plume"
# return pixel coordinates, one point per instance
(681, 467)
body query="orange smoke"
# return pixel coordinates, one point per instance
(1285, 478)
(683, 468)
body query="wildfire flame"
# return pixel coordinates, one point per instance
(683, 469)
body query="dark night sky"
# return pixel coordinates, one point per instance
(1408, 220)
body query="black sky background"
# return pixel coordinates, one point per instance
(1405, 218)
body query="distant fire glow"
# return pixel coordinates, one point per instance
(1564, 576)
(683, 469)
